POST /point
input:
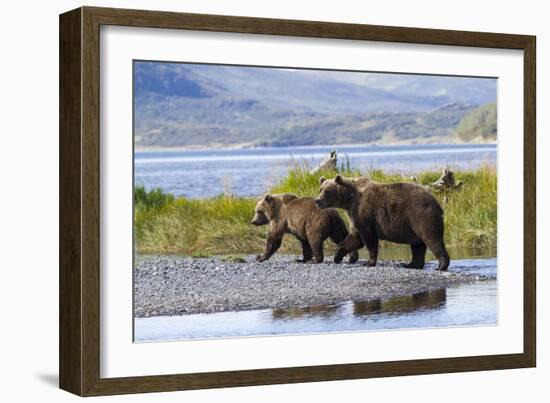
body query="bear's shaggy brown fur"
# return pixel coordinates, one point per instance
(396, 212)
(288, 214)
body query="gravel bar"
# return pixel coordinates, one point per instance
(177, 285)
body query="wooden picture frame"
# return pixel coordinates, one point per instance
(79, 348)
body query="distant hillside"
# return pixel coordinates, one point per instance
(180, 105)
(479, 125)
(376, 127)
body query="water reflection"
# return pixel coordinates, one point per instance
(410, 303)
(300, 312)
(434, 299)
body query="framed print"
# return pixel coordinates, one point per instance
(248, 201)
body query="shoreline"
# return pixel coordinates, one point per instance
(248, 146)
(170, 285)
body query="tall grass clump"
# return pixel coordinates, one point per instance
(201, 227)
(471, 212)
(151, 200)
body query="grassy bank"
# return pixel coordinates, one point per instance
(220, 225)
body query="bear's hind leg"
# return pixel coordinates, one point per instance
(439, 251)
(418, 256)
(349, 245)
(307, 253)
(353, 257)
(338, 235)
(432, 231)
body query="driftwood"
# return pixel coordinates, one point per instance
(446, 182)
(328, 164)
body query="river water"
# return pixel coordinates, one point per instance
(250, 172)
(466, 305)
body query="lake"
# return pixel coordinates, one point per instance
(466, 305)
(250, 172)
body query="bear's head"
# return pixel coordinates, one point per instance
(335, 192)
(266, 209)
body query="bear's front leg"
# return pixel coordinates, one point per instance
(307, 253)
(272, 245)
(370, 239)
(317, 249)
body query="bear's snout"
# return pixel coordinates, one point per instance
(259, 219)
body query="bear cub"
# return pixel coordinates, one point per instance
(396, 212)
(289, 214)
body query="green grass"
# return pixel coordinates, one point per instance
(221, 225)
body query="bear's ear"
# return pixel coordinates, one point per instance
(288, 197)
(342, 181)
(339, 179)
(268, 197)
(322, 179)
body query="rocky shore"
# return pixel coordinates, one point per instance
(176, 285)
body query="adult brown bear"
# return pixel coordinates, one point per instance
(396, 212)
(288, 214)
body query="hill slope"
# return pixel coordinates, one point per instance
(190, 105)
(480, 125)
